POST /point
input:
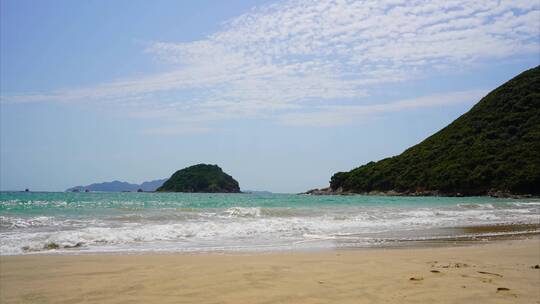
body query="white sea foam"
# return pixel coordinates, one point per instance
(526, 204)
(476, 206)
(14, 222)
(243, 212)
(134, 228)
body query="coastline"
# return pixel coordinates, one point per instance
(66, 223)
(493, 272)
(426, 193)
(427, 238)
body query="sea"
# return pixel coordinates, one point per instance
(78, 223)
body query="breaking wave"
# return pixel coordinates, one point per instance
(228, 222)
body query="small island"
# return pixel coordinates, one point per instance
(201, 178)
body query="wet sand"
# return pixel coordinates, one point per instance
(486, 272)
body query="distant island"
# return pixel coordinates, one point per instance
(197, 178)
(257, 192)
(118, 186)
(201, 178)
(494, 149)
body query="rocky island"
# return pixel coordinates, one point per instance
(201, 178)
(494, 149)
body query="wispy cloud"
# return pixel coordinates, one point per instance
(346, 114)
(177, 130)
(285, 57)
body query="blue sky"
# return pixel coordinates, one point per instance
(280, 94)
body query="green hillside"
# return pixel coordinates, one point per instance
(200, 178)
(493, 147)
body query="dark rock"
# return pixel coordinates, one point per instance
(50, 246)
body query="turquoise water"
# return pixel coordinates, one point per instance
(134, 222)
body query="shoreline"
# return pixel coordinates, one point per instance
(482, 273)
(438, 237)
(425, 193)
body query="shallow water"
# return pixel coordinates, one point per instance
(139, 222)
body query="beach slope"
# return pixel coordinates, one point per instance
(501, 272)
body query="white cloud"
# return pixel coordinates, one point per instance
(177, 130)
(343, 115)
(285, 56)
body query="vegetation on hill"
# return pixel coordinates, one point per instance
(495, 147)
(200, 178)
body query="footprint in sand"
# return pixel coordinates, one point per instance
(456, 265)
(483, 280)
(506, 291)
(449, 265)
(490, 273)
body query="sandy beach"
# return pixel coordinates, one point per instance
(492, 272)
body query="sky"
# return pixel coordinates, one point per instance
(280, 94)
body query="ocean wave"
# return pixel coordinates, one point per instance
(238, 230)
(476, 206)
(243, 212)
(526, 204)
(136, 233)
(185, 222)
(262, 212)
(14, 222)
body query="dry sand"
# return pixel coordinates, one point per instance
(499, 272)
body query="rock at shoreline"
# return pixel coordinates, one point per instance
(329, 191)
